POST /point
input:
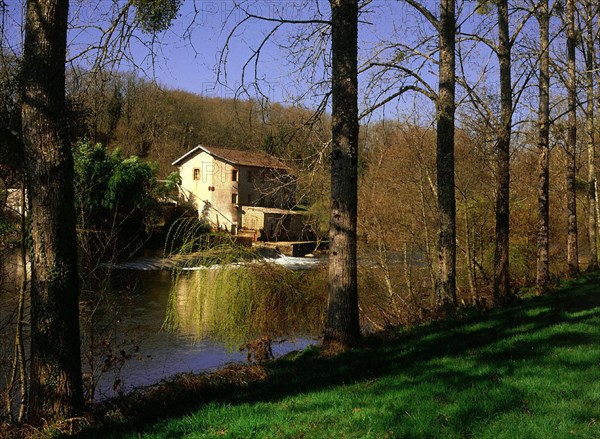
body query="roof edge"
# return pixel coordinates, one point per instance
(207, 150)
(187, 154)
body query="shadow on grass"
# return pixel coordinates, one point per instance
(491, 360)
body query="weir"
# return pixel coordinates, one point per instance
(296, 249)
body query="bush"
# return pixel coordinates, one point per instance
(115, 198)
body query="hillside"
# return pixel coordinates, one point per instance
(160, 124)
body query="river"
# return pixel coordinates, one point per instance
(129, 335)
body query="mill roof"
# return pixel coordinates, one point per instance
(235, 157)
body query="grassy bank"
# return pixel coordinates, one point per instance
(530, 371)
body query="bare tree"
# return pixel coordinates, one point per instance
(571, 146)
(590, 65)
(499, 118)
(342, 324)
(501, 254)
(444, 99)
(543, 232)
(446, 272)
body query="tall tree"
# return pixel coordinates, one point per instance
(571, 146)
(445, 25)
(56, 382)
(342, 326)
(501, 267)
(446, 106)
(543, 268)
(590, 65)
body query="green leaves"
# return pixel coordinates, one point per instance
(129, 181)
(156, 15)
(111, 191)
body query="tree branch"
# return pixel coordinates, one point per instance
(425, 12)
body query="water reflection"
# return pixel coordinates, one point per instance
(161, 354)
(128, 316)
(239, 303)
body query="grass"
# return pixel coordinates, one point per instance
(527, 371)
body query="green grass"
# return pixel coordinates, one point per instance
(528, 371)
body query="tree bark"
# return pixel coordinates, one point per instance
(342, 325)
(590, 134)
(446, 269)
(19, 367)
(56, 384)
(428, 251)
(543, 232)
(501, 258)
(572, 247)
(469, 265)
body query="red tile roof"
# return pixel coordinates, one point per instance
(235, 157)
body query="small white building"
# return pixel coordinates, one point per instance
(235, 189)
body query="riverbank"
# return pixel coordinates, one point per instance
(529, 370)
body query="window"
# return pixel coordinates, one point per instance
(234, 175)
(196, 174)
(249, 176)
(234, 198)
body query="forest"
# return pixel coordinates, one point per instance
(448, 157)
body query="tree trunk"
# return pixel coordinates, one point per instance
(446, 270)
(56, 384)
(590, 134)
(19, 367)
(543, 232)
(342, 326)
(572, 249)
(469, 265)
(428, 251)
(20, 337)
(382, 255)
(501, 270)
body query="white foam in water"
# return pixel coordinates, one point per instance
(145, 264)
(295, 263)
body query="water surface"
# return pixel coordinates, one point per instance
(128, 316)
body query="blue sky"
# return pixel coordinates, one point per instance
(186, 56)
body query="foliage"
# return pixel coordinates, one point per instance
(10, 114)
(156, 15)
(522, 263)
(113, 194)
(397, 208)
(224, 291)
(130, 184)
(317, 216)
(5, 227)
(173, 180)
